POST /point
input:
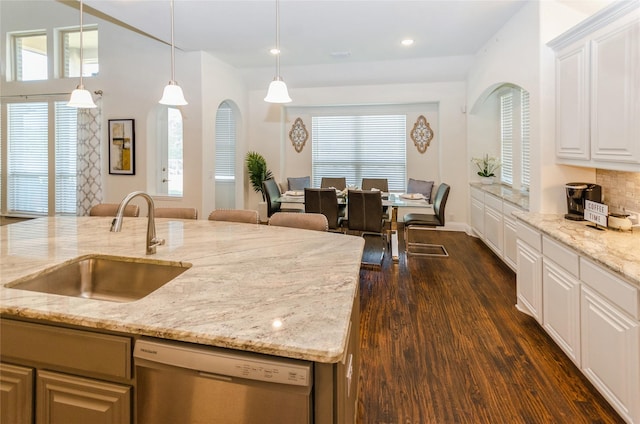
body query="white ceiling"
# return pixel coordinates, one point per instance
(318, 35)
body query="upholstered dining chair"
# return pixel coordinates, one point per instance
(272, 194)
(365, 218)
(110, 209)
(305, 221)
(247, 216)
(422, 221)
(324, 201)
(381, 184)
(339, 183)
(178, 213)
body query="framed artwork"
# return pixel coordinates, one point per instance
(298, 135)
(121, 147)
(421, 134)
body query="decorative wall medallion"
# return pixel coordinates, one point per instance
(298, 135)
(421, 134)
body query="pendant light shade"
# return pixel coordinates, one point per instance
(81, 98)
(277, 92)
(172, 94)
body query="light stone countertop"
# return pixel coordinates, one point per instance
(618, 251)
(518, 198)
(243, 278)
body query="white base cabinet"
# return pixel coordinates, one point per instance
(591, 313)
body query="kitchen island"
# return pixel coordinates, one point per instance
(269, 290)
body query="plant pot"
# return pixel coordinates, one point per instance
(486, 180)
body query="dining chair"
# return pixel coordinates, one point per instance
(178, 213)
(272, 194)
(305, 221)
(328, 182)
(381, 184)
(324, 201)
(423, 221)
(298, 183)
(247, 216)
(420, 186)
(110, 209)
(365, 218)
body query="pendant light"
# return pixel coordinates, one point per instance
(277, 92)
(172, 94)
(81, 98)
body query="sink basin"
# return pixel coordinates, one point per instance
(103, 277)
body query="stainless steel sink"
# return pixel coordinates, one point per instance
(103, 277)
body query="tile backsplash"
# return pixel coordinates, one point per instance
(620, 189)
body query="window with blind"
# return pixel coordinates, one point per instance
(526, 138)
(71, 52)
(225, 143)
(174, 152)
(506, 137)
(30, 56)
(356, 147)
(28, 158)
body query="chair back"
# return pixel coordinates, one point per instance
(298, 183)
(306, 221)
(178, 213)
(381, 184)
(272, 195)
(110, 209)
(339, 183)
(440, 201)
(365, 211)
(324, 201)
(247, 216)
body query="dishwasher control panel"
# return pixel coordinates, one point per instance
(221, 363)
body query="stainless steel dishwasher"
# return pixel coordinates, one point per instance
(185, 383)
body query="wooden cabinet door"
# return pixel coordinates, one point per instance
(572, 102)
(16, 394)
(529, 281)
(561, 308)
(615, 90)
(67, 399)
(610, 353)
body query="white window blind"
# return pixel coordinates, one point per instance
(225, 143)
(66, 127)
(526, 139)
(27, 157)
(506, 136)
(174, 151)
(355, 147)
(28, 171)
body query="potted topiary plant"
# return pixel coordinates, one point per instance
(258, 171)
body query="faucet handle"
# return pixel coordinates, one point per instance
(157, 241)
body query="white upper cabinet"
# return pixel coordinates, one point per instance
(598, 90)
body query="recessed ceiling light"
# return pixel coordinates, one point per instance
(274, 51)
(407, 42)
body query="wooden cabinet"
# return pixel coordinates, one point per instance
(81, 376)
(64, 398)
(597, 87)
(16, 394)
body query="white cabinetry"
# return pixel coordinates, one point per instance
(492, 221)
(597, 90)
(529, 274)
(561, 297)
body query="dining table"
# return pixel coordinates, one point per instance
(391, 200)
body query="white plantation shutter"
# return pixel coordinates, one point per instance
(526, 139)
(225, 143)
(506, 136)
(66, 142)
(27, 157)
(360, 146)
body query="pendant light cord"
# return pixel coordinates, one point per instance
(278, 40)
(81, 47)
(173, 66)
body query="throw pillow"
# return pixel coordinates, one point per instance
(420, 186)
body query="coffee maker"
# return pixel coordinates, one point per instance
(577, 193)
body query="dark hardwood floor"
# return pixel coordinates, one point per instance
(442, 342)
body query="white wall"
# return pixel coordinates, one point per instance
(517, 54)
(444, 161)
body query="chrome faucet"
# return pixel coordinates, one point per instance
(116, 224)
